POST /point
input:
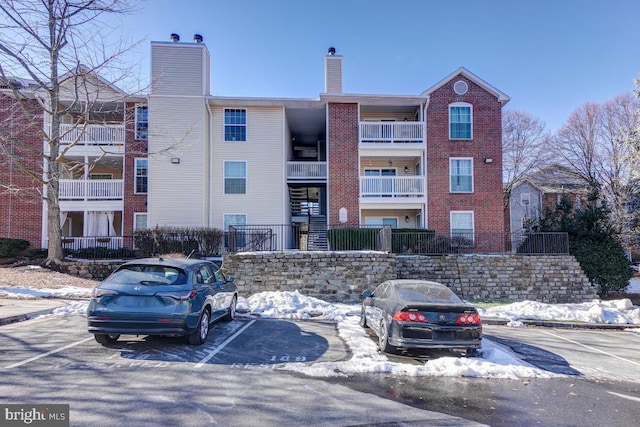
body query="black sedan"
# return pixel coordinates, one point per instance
(161, 296)
(420, 314)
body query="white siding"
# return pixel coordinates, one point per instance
(264, 153)
(179, 69)
(333, 74)
(176, 191)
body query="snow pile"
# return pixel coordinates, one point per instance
(26, 293)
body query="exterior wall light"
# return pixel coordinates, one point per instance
(175, 160)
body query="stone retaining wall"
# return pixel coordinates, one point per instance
(343, 276)
(550, 279)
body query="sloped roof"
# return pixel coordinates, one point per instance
(502, 97)
(557, 178)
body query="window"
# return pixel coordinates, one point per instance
(237, 239)
(381, 222)
(525, 199)
(139, 221)
(460, 121)
(235, 124)
(461, 175)
(142, 122)
(141, 176)
(235, 177)
(233, 219)
(462, 232)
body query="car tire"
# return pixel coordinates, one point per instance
(199, 336)
(383, 339)
(471, 352)
(231, 311)
(363, 320)
(106, 339)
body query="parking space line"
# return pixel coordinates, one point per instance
(592, 348)
(49, 353)
(223, 345)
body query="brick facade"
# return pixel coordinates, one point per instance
(487, 199)
(133, 203)
(343, 176)
(20, 194)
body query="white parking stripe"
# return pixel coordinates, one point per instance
(624, 396)
(24, 362)
(591, 348)
(223, 345)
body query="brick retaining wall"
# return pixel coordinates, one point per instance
(343, 276)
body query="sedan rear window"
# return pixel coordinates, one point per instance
(426, 294)
(149, 275)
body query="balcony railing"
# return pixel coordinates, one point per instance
(92, 134)
(91, 189)
(392, 186)
(307, 171)
(391, 132)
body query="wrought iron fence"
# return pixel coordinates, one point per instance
(314, 237)
(304, 236)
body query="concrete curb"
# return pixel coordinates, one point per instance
(561, 324)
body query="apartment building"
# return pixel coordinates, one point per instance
(181, 157)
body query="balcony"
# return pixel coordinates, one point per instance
(392, 186)
(391, 134)
(307, 171)
(92, 134)
(91, 189)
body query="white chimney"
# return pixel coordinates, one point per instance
(332, 72)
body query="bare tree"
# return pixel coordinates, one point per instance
(525, 147)
(59, 48)
(618, 166)
(578, 142)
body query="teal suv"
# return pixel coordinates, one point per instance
(161, 296)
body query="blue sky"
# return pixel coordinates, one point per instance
(549, 56)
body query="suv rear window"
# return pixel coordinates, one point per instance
(148, 274)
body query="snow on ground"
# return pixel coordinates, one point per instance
(493, 361)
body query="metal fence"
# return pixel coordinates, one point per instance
(313, 237)
(244, 238)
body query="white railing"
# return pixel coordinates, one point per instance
(392, 186)
(75, 243)
(92, 134)
(307, 170)
(391, 132)
(83, 189)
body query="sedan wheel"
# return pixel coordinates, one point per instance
(383, 339)
(231, 313)
(199, 336)
(106, 339)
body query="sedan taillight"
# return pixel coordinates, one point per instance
(408, 316)
(178, 295)
(468, 319)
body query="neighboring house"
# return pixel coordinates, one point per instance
(543, 190)
(431, 160)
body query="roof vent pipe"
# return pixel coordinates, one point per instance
(332, 51)
(197, 38)
(175, 38)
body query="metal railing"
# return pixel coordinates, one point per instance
(92, 134)
(391, 132)
(392, 186)
(82, 189)
(306, 170)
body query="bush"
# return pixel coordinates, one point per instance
(12, 247)
(162, 240)
(37, 253)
